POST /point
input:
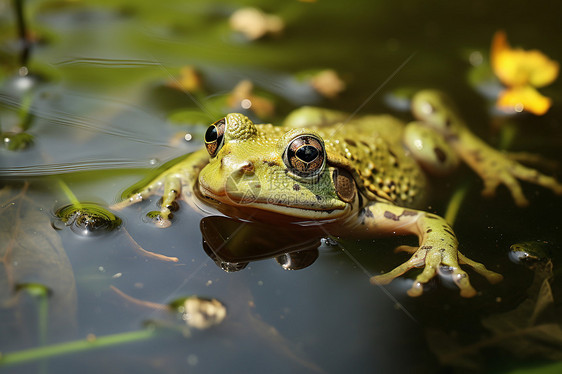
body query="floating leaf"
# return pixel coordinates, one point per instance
(255, 24)
(327, 83)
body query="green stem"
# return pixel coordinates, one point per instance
(455, 203)
(69, 194)
(41, 294)
(39, 353)
(508, 132)
(43, 318)
(22, 31)
(25, 116)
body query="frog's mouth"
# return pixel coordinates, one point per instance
(291, 209)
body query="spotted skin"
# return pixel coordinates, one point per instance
(364, 176)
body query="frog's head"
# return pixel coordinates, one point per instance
(264, 168)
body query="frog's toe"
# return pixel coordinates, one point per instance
(418, 259)
(460, 277)
(405, 248)
(133, 199)
(489, 189)
(478, 267)
(159, 218)
(512, 185)
(532, 176)
(432, 263)
(446, 263)
(416, 289)
(461, 280)
(163, 223)
(516, 192)
(553, 184)
(386, 278)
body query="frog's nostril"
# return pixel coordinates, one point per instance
(247, 168)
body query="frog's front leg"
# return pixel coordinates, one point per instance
(437, 251)
(177, 181)
(493, 166)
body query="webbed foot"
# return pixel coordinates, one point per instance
(173, 183)
(503, 170)
(437, 252)
(438, 262)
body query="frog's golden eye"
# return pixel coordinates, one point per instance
(214, 137)
(305, 155)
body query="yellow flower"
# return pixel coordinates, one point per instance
(521, 71)
(524, 98)
(242, 96)
(189, 80)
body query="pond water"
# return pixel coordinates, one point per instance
(103, 116)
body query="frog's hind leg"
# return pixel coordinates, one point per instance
(309, 116)
(493, 166)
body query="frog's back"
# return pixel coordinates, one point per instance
(371, 149)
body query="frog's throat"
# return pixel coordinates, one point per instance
(295, 211)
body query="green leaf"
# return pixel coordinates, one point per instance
(31, 253)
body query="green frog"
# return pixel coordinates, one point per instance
(351, 176)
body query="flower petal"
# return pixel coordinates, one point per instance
(523, 98)
(517, 67)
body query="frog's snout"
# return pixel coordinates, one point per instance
(246, 168)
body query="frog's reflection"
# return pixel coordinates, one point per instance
(233, 243)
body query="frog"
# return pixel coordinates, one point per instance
(360, 176)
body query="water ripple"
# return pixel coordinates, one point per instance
(69, 167)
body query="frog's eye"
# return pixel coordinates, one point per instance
(214, 137)
(305, 155)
